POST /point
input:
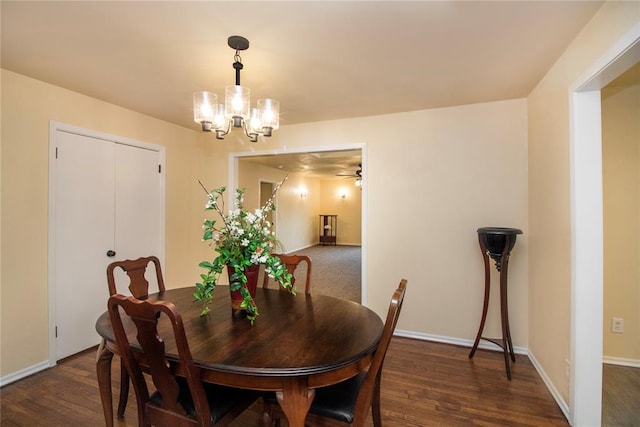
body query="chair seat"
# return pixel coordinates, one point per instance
(336, 401)
(221, 399)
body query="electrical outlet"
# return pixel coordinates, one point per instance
(617, 325)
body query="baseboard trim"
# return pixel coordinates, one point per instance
(456, 341)
(564, 407)
(318, 244)
(490, 346)
(301, 248)
(23, 373)
(621, 361)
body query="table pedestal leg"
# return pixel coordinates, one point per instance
(103, 370)
(295, 400)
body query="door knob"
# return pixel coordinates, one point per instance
(111, 253)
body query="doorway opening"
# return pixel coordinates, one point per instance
(316, 163)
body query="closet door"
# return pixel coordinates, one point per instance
(107, 206)
(84, 232)
(137, 207)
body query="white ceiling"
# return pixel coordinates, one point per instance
(324, 164)
(322, 60)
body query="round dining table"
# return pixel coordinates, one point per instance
(298, 343)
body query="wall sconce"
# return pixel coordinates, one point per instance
(303, 193)
(343, 194)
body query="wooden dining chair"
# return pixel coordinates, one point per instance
(177, 400)
(136, 270)
(139, 287)
(292, 262)
(349, 401)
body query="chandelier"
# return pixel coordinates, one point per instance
(236, 110)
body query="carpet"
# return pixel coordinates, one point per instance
(336, 271)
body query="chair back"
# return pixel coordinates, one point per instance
(135, 269)
(292, 262)
(372, 379)
(139, 288)
(168, 410)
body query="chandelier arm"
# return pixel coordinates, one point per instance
(220, 133)
(253, 136)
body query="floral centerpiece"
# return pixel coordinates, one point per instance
(244, 239)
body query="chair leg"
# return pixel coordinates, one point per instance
(268, 419)
(375, 404)
(267, 414)
(124, 389)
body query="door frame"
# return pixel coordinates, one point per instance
(274, 214)
(54, 127)
(233, 184)
(587, 229)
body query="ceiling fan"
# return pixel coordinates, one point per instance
(356, 174)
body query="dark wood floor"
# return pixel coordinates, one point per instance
(620, 396)
(424, 384)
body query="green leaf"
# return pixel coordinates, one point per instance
(205, 264)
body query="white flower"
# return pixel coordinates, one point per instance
(234, 240)
(269, 272)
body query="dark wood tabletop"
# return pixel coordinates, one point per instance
(297, 343)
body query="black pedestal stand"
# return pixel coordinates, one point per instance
(497, 243)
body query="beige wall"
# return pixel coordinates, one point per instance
(549, 190)
(298, 217)
(621, 186)
(295, 215)
(27, 107)
(433, 178)
(348, 209)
